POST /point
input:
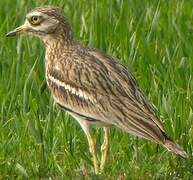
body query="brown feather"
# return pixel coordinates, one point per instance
(96, 87)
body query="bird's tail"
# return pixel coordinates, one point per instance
(175, 148)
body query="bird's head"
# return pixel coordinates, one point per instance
(45, 22)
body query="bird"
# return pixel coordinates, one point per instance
(93, 87)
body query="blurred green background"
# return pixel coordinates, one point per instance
(154, 38)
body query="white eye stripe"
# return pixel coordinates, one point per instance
(77, 92)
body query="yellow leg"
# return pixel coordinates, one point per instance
(104, 149)
(93, 151)
(92, 147)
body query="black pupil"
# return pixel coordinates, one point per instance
(35, 18)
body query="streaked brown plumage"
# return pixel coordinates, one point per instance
(96, 89)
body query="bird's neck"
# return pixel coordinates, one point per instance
(58, 40)
(58, 43)
(62, 36)
(56, 49)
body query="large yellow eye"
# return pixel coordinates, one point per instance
(35, 20)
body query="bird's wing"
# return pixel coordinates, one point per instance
(124, 78)
(98, 88)
(120, 74)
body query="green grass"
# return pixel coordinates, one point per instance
(153, 38)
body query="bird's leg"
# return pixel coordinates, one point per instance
(92, 147)
(104, 149)
(93, 151)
